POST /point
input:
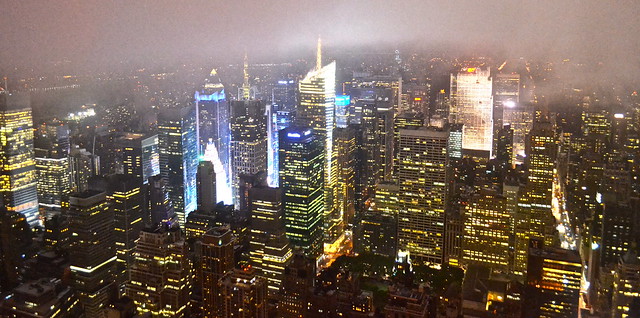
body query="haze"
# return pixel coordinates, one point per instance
(89, 33)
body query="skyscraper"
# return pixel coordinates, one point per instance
(215, 254)
(178, 145)
(243, 294)
(160, 277)
(206, 186)
(269, 247)
(213, 128)
(92, 254)
(317, 111)
(422, 177)
(126, 199)
(18, 180)
(139, 155)
(52, 164)
(487, 232)
(301, 181)
(472, 105)
(248, 142)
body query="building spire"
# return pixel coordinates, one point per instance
(246, 89)
(319, 54)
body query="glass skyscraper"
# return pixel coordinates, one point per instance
(178, 144)
(17, 158)
(301, 181)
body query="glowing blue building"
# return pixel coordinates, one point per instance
(213, 129)
(178, 145)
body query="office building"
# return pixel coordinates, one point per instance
(139, 155)
(269, 247)
(298, 282)
(626, 286)
(206, 178)
(243, 294)
(472, 105)
(215, 254)
(213, 127)
(18, 181)
(48, 298)
(317, 111)
(487, 230)
(519, 117)
(160, 277)
(82, 166)
(422, 177)
(178, 146)
(92, 253)
(301, 181)
(346, 146)
(248, 142)
(126, 199)
(52, 165)
(158, 206)
(553, 282)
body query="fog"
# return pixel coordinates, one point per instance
(106, 33)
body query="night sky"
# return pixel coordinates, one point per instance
(104, 32)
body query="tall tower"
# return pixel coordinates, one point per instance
(52, 164)
(472, 105)
(178, 145)
(301, 181)
(246, 88)
(269, 247)
(18, 181)
(213, 116)
(215, 254)
(160, 278)
(317, 111)
(422, 177)
(243, 294)
(248, 142)
(92, 254)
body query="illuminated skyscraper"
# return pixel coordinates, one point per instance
(626, 285)
(506, 95)
(213, 115)
(18, 177)
(520, 118)
(82, 166)
(248, 142)
(126, 199)
(553, 279)
(346, 146)
(317, 111)
(301, 181)
(139, 155)
(215, 254)
(298, 281)
(160, 277)
(486, 232)
(178, 145)
(269, 247)
(534, 218)
(158, 206)
(472, 105)
(422, 177)
(92, 254)
(52, 164)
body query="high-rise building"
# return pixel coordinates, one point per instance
(213, 122)
(301, 181)
(346, 148)
(52, 164)
(126, 199)
(317, 111)
(18, 176)
(620, 231)
(178, 146)
(248, 142)
(15, 237)
(215, 254)
(553, 279)
(626, 286)
(160, 277)
(504, 146)
(534, 218)
(269, 247)
(422, 177)
(158, 206)
(506, 94)
(472, 105)
(139, 155)
(206, 186)
(487, 232)
(48, 298)
(377, 230)
(299, 277)
(243, 294)
(519, 117)
(92, 254)
(82, 166)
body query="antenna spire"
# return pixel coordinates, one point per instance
(246, 89)
(319, 54)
